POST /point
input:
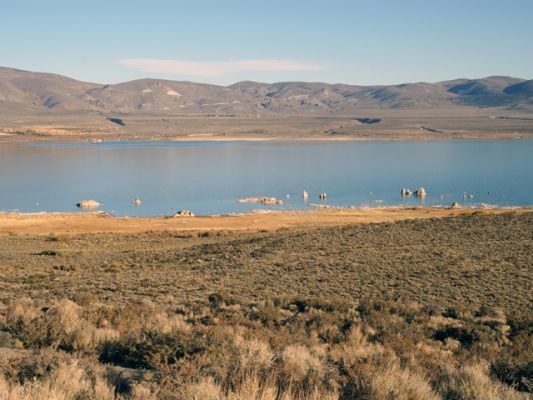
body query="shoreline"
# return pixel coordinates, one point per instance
(98, 138)
(12, 223)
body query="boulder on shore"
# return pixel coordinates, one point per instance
(88, 204)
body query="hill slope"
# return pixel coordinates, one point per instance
(31, 90)
(43, 90)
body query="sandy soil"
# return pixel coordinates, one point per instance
(79, 223)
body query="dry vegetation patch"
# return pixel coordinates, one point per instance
(435, 309)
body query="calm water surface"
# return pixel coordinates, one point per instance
(209, 177)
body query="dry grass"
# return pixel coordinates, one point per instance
(69, 381)
(378, 350)
(468, 260)
(280, 330)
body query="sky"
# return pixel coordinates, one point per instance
(226, 41)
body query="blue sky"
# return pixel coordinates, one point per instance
(222, 42)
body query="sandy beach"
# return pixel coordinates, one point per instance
(82, 223)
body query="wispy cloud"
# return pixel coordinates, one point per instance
(215, 69)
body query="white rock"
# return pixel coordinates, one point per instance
(184, 213)
(88, 204)
(421, 192)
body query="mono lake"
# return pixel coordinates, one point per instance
(209, 177)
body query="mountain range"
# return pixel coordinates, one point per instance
(24, 91)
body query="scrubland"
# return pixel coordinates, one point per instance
(421, 309)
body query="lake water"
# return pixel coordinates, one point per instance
(209, 177)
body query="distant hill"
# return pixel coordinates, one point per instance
(522, 90)
(43, 90)
(26, 91)
(485, 92)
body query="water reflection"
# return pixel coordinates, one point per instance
(209, 177)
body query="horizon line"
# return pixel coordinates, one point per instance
(263, 82)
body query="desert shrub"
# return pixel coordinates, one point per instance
(51, 253)
(151, 350)
(513, 366)
(70, 380)
(517, 375)
(28, 368)
(216, 300)
(282, 349)
(355, 349)
(205, 389)
(254, 356)
(62, 326)
(304, 370)
(393, 382)
(451, 313)
(464, 336)
(320, 303)
(144, 352)
(355, 386)
(268, 314)
(141, 391)
(472, 382)
(300, 364)
(251, 388)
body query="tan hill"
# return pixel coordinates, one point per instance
(29, 90)
(156, 95)
(36, 89)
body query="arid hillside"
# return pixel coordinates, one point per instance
(51, 91)
(39, 105)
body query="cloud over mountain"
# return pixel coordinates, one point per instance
(215, 68)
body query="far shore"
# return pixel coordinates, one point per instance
(102, 137)
(85, 223)
(347, 138)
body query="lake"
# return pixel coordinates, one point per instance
(209, 177)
